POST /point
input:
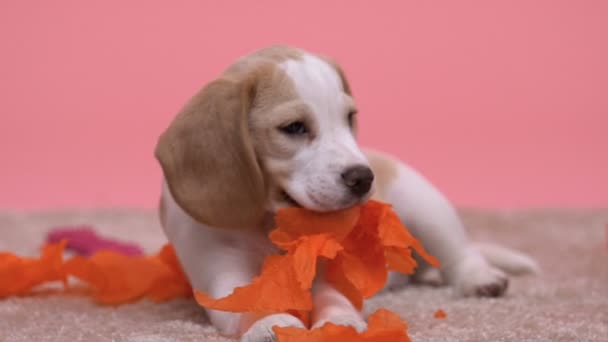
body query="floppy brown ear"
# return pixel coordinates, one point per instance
(208, 160)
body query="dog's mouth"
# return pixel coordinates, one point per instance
(287, 198)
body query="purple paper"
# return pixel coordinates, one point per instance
(84, 241)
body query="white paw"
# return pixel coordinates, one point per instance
(261, 330)
(475, 277)
(350, 320)
(396, 281)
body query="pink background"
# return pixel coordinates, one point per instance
(501, 104)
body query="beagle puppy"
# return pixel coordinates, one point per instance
(277, 129)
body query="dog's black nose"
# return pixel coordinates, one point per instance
(358, 179)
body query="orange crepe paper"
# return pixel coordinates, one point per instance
(19, 275)
(358, 245)
(115, 278)
(158, 277)
(440, 314)
(382, 326)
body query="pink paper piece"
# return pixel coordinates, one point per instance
(84, 241)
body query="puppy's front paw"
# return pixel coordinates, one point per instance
(475, 277)
(261, 330)
(350, 320)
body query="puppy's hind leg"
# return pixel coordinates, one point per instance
(433, 220)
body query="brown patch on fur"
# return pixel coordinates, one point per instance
(385, 171)
(278, 53)
(273, 55)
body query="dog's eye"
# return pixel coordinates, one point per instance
(351, 118)
(294, 128)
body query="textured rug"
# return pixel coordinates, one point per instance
(567, 302)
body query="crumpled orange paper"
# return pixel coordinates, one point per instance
(158, 277)
(359, 245)
(382, 326)
(114, 278)
(19, 275)
(440, 314)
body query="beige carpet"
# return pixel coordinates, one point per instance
(569, 302)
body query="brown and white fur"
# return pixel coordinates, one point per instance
(230, 159)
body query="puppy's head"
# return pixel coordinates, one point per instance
(276, 129)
